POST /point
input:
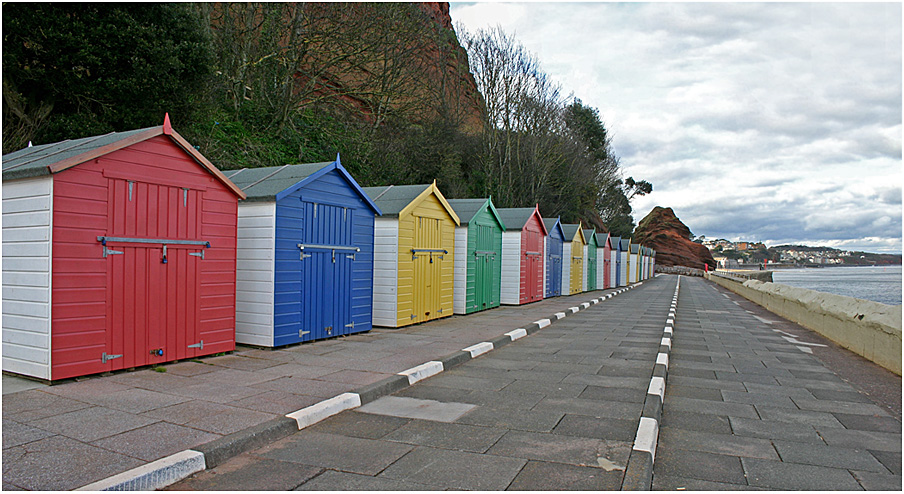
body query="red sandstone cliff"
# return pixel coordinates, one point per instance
(662, 231)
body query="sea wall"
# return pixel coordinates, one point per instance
(747, 274)
(869, 329)
(682, 270)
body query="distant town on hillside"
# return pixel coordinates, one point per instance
(735, 254)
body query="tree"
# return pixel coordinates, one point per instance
(74, 69)
(615, 204)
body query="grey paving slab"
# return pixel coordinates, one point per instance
(455, 436)
(694, 392)
(703, 422)
(592, 408)
(155, 441)
(59, 463)
(758, 399)
(663, 482)
(599, 428)
(363, 425)
(769, 429)
(559, 448)
(504, 418)
(90, 424)
(275, 402)
(248, 473)
(455, 469)
(793, 476)
(868, 422)
(891, 460)
(547, 476)
(725, 444)
(878, 441)
(15, 434)
(820, 420)
(350, 454)
(599, 393)
(699, 465)
(828, 456)
(878, 482)
(31, 405)
(839, 406)
(331, 480)
(681, 403)
(415, 408)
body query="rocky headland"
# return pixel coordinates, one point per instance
(662, 231)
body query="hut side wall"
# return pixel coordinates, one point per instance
(255, 274)
(511, 268)
(386, 269)
(462, 287)
(27, 206)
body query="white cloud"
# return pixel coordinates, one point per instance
(773, 122)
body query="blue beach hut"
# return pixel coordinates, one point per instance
(616, 262)
(305, 254)
(553, 280)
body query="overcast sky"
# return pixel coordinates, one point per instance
(771, 122)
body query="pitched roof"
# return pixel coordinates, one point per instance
(399, 200)
(571, 229)
(553, 224)
(275, 182)
(601, 238)
(516, 218)
(47, 159)
(590, 235)
(468, 209)
(392, 199)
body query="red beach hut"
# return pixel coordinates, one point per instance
(523, 250)
(119, 251)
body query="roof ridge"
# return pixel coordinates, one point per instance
(74, 145)
(381, 193)
(265, 177)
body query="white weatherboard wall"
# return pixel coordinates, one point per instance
(386, 271)
(27, 228)
(566, 268)
(511, 268)
(600, 268)
(545, 267)
(460, 271)
(612, 265)
(584, 268)
(255, 268)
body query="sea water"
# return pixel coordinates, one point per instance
(877, 283)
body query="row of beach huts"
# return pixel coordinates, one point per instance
(131, 249)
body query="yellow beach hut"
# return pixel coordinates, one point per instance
(414, 243)
(573, 265)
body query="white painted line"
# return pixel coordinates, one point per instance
(327, 408)
(657, 387)
(478, 349)
(668, 329)
(647, 434)
(667, 342)
(574, 310)
(610, 295)
(594, 301)
(726, 296)
(792, 340)
(585, 305)
(805, 350)
(542, 323)
(518, 333)
(152, 476)
(670, 321)
(560, 315)
(764, 321)
(663, 358)
(422, 371)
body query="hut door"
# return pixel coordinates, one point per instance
(428, 256)
(533, 259)
(591, 270)
(153, 255)
(577, 268)
(485, 272)
(327, 259)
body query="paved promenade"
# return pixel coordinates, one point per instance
(75, 433)
(754, 401)
(746, 406)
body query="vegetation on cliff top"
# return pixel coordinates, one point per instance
(264, 84)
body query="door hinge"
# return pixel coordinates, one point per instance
(302, 332)
(199, 345)
(109, 252)
(104, 358)
(352, 325)
(197, 254)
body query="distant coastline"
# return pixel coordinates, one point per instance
(877, 283)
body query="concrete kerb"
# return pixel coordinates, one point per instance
(639, 469)
(171, 469)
